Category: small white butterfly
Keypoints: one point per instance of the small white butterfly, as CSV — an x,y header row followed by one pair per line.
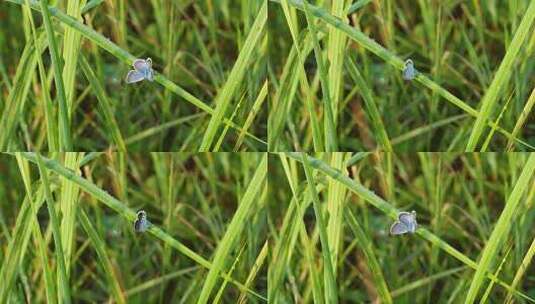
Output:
x,y
406,223
141,224
408,71
142,70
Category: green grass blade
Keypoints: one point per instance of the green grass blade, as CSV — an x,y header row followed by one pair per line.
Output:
x,y
12,108
366,246
71,48
48,106
331,291
372,110
104,104
522,269
236,75
18,245
235,228
291,19
501,77
36,231
500,229
522,119
100,248
63,117
56,232
336,47
329,124
68,202
254,271
336,198
259,101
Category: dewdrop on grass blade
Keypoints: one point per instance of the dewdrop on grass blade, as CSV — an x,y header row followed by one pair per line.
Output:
x,y
406,223
408,71
141,224
142,70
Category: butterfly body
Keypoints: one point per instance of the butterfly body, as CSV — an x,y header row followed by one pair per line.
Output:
x,y
408,71
142,70
141,224
406,223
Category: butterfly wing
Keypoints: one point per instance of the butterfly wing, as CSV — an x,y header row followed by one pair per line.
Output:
x,y
408,71
398,228
141,225
141,65
409,219
134,76
149,75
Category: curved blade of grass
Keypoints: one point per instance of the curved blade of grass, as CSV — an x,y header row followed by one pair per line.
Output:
x,y
331,291
128,58
393,60
63,117
104,104
389,210
367,248
522,269
151,283
17,95
329,123
71,48
336,47
100,248
236,75
56,233
235,228
219,295
36,231
501,77
254,271
259,101
292,226
500,229
424,281
372,110
68,202
18,245
522,119
127,213
309,247
291,19
336,197
48,106
151,131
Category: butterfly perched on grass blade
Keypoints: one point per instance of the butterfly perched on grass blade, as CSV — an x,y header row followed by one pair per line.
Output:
x,y
406,223
408,71
141,224
142,70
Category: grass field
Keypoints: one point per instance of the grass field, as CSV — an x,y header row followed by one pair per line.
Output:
x,y
277,148
67,228
208,94
331,213
335,72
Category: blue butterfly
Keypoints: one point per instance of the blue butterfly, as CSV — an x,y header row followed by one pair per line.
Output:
x,y
142,70
141,224
406,223
408,71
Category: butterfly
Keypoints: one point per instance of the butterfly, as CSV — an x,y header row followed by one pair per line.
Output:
x,y
406,223
408,71
141,224
142,70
